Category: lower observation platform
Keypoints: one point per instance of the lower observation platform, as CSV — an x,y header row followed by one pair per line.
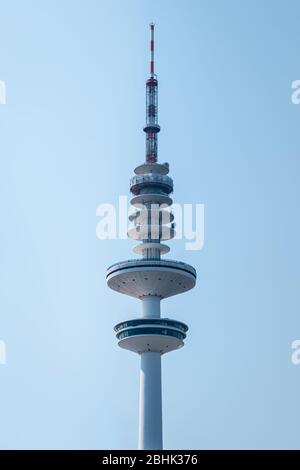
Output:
x,y
151,335
141,277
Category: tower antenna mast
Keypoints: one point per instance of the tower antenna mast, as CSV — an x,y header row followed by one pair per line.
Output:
x,y
152,127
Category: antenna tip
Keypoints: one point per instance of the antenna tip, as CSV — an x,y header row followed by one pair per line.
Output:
x,y
152,25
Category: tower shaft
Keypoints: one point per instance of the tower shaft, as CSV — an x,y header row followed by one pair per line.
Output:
x,y
150,409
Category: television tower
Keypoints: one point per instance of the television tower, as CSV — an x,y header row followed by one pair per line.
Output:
x,y
150,278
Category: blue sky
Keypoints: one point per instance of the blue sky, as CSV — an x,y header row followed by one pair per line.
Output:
x,y
71,134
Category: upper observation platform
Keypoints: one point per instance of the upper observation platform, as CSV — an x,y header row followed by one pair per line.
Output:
x,y
152,168
151,182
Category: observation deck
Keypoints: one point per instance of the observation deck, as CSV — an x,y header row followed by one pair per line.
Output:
x,y
142,277
161,182
160,335
155,168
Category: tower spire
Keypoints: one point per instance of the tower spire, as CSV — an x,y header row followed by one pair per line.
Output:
x,y
152,127
152,50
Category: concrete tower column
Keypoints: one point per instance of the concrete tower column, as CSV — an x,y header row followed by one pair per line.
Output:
x,y
151,306
150,415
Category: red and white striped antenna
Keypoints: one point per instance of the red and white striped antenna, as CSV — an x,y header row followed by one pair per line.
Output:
x,y
152,127
152,50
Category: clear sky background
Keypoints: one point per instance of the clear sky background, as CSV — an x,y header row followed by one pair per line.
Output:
x,y
70,136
